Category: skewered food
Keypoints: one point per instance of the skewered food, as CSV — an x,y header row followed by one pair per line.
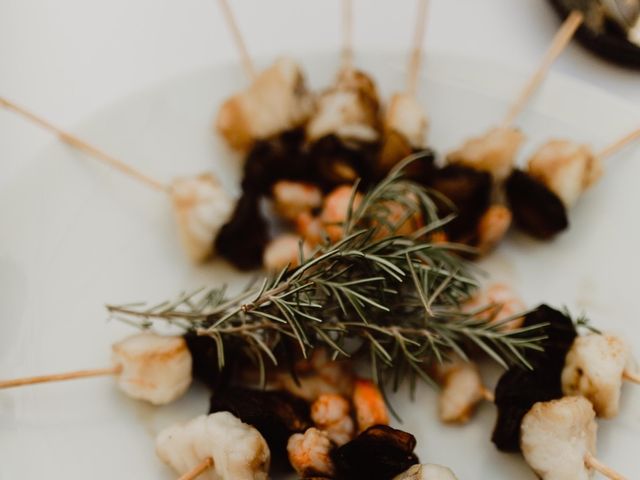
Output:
x,y
237,451
406,116
204,360
309,454
518,389
536,209
493,152
611,28
344,132
594,368
331,413
462,390
468,192
276,101
427,471
202,207
378,453
275,414
557,175
369,405
405,130
566,168
243,239
348,110
557,436
154,368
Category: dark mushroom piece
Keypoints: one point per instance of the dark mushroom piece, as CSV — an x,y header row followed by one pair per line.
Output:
x,y
611,28
378,453
469,190
275,414
243,238
535,208
518,389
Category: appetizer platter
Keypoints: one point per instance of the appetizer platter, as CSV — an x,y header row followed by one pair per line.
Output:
x,y
402,326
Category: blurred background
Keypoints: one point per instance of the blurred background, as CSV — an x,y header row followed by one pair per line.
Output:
x,y
67,58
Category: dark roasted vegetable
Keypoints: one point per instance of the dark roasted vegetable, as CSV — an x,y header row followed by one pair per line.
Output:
x,y
275,414
279,158
337,162
242,240
204,356
518,389
600,33
378,453
470,191
536,209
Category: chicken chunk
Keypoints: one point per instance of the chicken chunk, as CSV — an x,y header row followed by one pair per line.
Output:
x,y
462,389
293,198
348,110
237,450
154,368
309,453
276,101
331,413
493,152
369,405
566,168
557,437
406,116
594,367
427,471
202,207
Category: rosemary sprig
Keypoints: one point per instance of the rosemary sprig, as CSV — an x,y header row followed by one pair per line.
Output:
x,y
395,299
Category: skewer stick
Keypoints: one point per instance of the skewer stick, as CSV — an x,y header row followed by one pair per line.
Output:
x,y
619,144
487,394
202,467
58,377
560,41
631,377
416,54
593,462
347,34
86,147
247,63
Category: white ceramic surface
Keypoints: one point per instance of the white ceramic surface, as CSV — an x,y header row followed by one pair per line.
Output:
x,y
74,235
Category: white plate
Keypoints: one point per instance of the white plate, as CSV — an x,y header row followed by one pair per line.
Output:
x,y
74,235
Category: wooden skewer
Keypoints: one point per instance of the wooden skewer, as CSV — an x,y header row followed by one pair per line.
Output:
x,y
631,377
202,467
80,144
58,377
619,144
560,41
247,63
416,54
347,34
592,462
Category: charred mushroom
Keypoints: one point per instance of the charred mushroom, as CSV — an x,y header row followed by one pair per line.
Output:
x,y
275,414
378,453
518,389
